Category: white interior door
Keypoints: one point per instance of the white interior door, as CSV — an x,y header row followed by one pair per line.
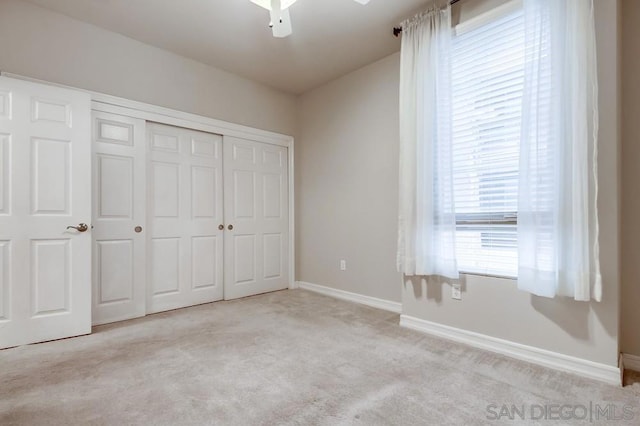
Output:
x,y
185,211
257,217
119,210
45,186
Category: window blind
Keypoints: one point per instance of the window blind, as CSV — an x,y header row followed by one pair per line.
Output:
x,y
487,84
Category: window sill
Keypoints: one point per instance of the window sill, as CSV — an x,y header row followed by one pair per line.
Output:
x,y
489,275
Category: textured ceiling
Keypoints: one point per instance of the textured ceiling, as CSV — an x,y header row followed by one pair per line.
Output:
x,y
330,37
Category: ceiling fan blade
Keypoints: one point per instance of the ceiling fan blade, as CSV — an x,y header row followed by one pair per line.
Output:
x,y
281,23
362,1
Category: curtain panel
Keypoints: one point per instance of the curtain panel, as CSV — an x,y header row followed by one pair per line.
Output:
x,y
558,250
427,223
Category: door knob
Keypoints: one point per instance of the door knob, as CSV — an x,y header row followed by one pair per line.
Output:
x,y
221,227
138,229
82,227
230,227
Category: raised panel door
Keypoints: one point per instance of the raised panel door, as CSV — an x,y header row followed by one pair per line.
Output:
x,y
45,187
256,208
119,218
185,212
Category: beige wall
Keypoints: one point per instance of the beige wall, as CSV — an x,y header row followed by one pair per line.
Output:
x,y
347,190
347,178
630,316
41,44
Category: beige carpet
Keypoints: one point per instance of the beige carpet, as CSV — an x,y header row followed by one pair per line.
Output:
x,y
291,357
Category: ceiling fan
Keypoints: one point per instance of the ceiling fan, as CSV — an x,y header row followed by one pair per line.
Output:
x,y
280,22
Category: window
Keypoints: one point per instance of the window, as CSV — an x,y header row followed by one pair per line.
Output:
x,y
487,80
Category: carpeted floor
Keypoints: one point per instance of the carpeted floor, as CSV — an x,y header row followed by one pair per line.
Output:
x,y
291,357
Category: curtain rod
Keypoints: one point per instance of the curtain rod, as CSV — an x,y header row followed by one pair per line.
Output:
x,y
398,30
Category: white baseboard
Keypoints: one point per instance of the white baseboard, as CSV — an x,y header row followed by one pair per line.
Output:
x,y
631,362
557,361
374,302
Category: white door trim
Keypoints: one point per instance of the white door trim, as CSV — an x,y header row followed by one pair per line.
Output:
x,y
141,110
177,118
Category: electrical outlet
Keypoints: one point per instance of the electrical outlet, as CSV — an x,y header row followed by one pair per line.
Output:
x,y
343,265
456,292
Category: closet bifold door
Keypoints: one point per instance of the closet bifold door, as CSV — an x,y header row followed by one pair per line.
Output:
x,y
256,204
119,212
185,218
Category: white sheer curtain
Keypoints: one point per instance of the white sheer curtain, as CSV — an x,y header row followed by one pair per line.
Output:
x,y
427,223
557,217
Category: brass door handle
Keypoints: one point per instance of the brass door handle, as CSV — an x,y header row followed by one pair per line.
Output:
x,y
230,227
82,227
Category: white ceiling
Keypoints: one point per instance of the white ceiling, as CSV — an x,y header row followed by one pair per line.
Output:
x,y
330,37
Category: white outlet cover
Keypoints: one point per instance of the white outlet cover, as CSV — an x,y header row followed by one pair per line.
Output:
x,y
456,292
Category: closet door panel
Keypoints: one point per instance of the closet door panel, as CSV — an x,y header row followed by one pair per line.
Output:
x,y
119,207
185,206
256,206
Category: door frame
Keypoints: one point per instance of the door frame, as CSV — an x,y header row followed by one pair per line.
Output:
x,y
121,106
